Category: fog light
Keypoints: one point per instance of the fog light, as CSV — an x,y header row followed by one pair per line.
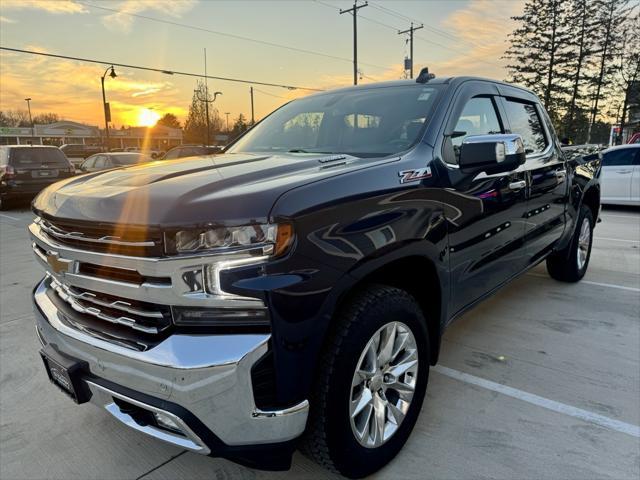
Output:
x,y
166,422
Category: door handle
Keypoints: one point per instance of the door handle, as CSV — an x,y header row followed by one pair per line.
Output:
x,y
624,171
517,185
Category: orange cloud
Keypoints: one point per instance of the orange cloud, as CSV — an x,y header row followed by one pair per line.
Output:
x,y
73,90
51,6
483,36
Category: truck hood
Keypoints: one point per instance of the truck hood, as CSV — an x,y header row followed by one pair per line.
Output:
x,y
228,188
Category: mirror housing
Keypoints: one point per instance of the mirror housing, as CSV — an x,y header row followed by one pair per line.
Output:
x,y
493,153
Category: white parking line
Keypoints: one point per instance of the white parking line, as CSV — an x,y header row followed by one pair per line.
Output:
x,y
587,416
617,239
589,282
9,216
605,215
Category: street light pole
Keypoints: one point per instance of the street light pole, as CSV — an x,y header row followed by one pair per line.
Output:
x,y
28,100
227,114
105,105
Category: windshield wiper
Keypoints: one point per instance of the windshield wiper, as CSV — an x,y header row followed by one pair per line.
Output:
x,y
301,150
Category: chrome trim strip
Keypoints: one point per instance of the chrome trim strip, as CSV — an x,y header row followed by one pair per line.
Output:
x,y
96,312
300,407
118,304
191,441
57,232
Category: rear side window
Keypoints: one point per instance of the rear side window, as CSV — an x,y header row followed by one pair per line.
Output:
x,y
620,157
35,157
525,121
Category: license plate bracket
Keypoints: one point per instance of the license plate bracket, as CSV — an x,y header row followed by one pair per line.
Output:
x,y
66,374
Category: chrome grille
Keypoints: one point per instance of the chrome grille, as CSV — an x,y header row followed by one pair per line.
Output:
x,y
112,238
141,317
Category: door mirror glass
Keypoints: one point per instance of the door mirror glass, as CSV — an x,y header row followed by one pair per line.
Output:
x,y
492,153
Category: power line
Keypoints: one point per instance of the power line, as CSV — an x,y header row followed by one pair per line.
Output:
x,y
405,18
160,70
270,94
226,34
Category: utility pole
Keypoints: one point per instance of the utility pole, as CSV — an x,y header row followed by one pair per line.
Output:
x,y
253,120
354,11
28,100
206,95
410,32
227,114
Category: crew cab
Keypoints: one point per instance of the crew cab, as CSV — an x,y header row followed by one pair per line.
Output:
x,y
292,291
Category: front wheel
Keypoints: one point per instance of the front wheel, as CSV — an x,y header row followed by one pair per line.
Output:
x,y
371,383
571,263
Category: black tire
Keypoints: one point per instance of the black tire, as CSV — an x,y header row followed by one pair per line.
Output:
x,y
565,265
329,439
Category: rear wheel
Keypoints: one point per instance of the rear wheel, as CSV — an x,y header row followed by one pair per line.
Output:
x,y
372,380
570,264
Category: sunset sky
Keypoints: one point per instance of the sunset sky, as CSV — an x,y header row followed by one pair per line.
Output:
x,y
459,37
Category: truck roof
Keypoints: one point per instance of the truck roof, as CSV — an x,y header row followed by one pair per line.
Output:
x,y
434,81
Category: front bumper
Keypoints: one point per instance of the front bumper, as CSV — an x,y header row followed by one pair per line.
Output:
x,y
203,380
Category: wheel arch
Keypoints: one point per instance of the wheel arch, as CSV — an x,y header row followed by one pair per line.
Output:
x,y
591,199
416,275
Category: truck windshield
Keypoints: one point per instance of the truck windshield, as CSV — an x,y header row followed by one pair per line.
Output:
x,y
370,122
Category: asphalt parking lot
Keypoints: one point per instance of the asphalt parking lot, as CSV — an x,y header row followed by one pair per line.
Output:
x,y
541,381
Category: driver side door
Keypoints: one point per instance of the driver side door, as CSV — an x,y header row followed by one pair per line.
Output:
x,y
485,212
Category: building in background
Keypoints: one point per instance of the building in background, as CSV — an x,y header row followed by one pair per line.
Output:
x,y
57,133
158,137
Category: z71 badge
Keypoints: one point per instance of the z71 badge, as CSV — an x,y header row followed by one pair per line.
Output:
x,y
414,175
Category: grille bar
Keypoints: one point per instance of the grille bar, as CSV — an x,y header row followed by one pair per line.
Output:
x,y
98,313
116,304
61,234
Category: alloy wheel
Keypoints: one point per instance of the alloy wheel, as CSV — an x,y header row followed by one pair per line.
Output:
x,y
383,384
584,241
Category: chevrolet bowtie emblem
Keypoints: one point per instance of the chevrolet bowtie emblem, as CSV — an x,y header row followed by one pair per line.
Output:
x,y
58,265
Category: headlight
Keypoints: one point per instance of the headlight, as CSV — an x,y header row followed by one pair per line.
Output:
x,y
273,239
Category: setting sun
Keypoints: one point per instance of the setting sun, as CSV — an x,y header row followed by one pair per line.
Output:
x,y
147,118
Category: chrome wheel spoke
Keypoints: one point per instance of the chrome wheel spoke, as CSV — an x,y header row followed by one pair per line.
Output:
x,y
361,402
383,384
397,415
388,338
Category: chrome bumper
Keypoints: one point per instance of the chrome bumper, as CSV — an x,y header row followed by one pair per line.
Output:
x,y
208,375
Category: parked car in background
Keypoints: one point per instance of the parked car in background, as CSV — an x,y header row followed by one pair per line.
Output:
x,y
104,161
77,152
26,169
621,175
153,153
191,151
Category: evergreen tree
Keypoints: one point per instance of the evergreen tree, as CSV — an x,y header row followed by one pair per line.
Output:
x,y
612,18
629,78
195,126
583,23
540,51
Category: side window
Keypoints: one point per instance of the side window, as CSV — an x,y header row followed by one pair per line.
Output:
x,y
525,121
622,157
89,162
478,117
172,154
101,162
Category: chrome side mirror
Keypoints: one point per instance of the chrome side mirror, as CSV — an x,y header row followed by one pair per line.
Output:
x,y
492,153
